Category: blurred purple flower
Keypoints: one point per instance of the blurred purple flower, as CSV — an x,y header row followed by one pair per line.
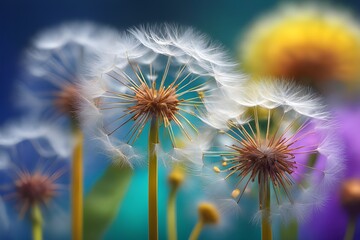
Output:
x,y
331,221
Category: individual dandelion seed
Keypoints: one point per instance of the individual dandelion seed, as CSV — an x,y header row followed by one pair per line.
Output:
x,y
51,86
310,43
31,178
288,155
158,82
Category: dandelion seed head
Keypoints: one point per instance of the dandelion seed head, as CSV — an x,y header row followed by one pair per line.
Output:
x,y
285,139
53,66
35,188
165,73
36,182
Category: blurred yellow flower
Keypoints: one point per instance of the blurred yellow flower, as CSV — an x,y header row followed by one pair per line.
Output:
x,y
305,43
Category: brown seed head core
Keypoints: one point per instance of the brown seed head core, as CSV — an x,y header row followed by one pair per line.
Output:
x,y
66,100
36,188
350,196
265,159
160,103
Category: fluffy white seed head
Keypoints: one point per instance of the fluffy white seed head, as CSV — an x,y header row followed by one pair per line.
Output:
x,y
53,65
283,135
165,72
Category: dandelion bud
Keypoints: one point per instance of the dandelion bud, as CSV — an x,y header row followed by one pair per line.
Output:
x,y
350,196
176,177
208,213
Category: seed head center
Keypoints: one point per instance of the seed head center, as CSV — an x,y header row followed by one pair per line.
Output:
x,y
67,99
35,188
261,160
162,103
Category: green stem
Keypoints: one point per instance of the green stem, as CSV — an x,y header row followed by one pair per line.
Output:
x,y
171,212
266,232
36,220
350,230
153,179
197,230
77,186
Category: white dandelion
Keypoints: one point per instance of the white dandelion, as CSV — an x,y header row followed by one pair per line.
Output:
x,y
156,82
281,148
33,172
50,89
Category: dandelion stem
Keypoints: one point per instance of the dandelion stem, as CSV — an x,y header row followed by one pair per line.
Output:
x,y
266,232
36,220
77,186
153,179
171,214
350,229
197,230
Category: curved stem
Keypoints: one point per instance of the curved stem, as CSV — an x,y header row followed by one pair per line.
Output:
x,y
266,232
350,229
197,230
171,214
36,221
153,179
77,186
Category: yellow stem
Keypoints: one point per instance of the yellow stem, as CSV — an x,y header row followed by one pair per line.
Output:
x,y
36,220
77,186
153,179
197,230
171,213
350,229
266,232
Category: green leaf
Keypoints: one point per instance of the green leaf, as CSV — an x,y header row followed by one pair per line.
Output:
x,y
102,204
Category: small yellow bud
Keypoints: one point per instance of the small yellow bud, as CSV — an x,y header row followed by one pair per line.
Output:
x,y
235,193
176,177
208,213
216,169
224,164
